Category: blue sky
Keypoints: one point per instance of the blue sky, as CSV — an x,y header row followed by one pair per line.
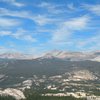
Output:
x,y
35,26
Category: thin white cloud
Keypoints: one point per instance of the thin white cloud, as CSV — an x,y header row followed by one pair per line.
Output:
x,y
5,33
38,19
51,8
19,34
3,49
9,49
93,8
66,28
22,14
41,20
77,23
71,6
14,2
7,22
92,42
23,35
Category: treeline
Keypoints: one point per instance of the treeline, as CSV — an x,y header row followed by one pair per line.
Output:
x,y
33,95
7,98
38,97
52,98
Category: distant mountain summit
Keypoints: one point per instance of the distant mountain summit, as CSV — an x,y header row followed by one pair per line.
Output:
x,y
72,56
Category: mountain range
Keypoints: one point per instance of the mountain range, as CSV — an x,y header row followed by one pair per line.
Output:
x,y
55,70
65,55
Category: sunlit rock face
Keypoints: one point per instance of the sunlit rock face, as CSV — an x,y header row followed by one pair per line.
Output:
x,y
17,94
82,75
